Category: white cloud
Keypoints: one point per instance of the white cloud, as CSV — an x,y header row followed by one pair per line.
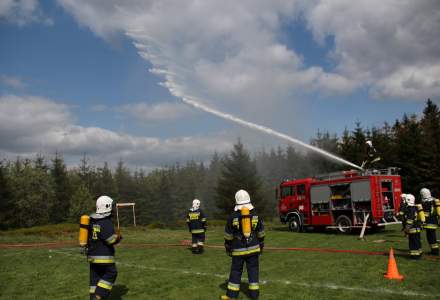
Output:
x,y
11,81
224,52
22,12
229,51
164,111
391,46
30,125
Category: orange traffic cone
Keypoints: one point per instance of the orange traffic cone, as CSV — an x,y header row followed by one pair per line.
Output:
x,y
393,273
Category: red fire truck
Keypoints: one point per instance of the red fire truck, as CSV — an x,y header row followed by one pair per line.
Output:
x,y
342,200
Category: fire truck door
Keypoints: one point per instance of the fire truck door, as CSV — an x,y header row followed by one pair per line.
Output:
x,y
303,206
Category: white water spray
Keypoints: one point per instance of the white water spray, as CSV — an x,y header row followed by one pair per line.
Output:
x,y
266,130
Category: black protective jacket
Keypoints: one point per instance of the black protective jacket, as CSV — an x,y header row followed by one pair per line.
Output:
x,y
196,221
236,243
430,210
412,217
102,238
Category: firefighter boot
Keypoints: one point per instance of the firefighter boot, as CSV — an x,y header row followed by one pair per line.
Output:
x,y
435,251
201,249
195,250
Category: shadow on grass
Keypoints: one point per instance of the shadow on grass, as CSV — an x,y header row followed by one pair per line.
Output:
x,y
244,288
117,292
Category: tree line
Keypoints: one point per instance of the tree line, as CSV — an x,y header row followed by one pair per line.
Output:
x,y
37,191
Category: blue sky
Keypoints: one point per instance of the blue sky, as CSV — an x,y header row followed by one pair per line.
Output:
x,y
106,78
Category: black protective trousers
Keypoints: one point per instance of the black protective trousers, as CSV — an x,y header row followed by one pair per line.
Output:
x,y
431,236
198,238
102,278
252,266
415,245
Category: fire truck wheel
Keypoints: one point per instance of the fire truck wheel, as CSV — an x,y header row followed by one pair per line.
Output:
x,y
295,223
344,224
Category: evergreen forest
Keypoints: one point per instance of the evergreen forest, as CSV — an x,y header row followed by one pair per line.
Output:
x,y
42,190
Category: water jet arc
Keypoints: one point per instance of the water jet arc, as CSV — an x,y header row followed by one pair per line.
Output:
x,y
196,104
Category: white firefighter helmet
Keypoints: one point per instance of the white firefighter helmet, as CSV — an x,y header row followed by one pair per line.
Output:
x,y
369,143
104,205
403,197
425,194
196,204
410,199
242,199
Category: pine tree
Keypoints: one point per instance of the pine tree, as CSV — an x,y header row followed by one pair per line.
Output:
x,y
239,172
430,154
384,141
326,142
82,203
7,206
408,148
105,183
208,189
33,193
60,177
296,164
353,147
124,183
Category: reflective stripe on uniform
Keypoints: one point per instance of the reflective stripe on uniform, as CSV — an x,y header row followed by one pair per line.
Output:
x,y
245,251
415,252
197,230
430,226
203,219
194,216
254,221
200,243
228,236
92,289
105,284
254,286
434,246
112,239
233,286
101,259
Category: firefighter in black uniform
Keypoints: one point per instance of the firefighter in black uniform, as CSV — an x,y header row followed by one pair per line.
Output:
x,y
414,219
372,155
244,245
401,215
431,208
196,221
101,251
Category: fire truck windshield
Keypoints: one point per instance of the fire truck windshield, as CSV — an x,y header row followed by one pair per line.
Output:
x,y
287,191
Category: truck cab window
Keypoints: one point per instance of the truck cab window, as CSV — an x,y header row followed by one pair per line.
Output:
x,y
301,189
286,191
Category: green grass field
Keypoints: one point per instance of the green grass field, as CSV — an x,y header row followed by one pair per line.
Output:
x,y
172,272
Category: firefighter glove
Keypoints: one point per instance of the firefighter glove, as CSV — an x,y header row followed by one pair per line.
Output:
x,y
118,234
228,249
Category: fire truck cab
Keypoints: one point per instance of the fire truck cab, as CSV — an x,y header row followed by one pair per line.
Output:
x,y
341,200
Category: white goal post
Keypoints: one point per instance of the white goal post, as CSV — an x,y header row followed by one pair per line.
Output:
x,y
124,205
